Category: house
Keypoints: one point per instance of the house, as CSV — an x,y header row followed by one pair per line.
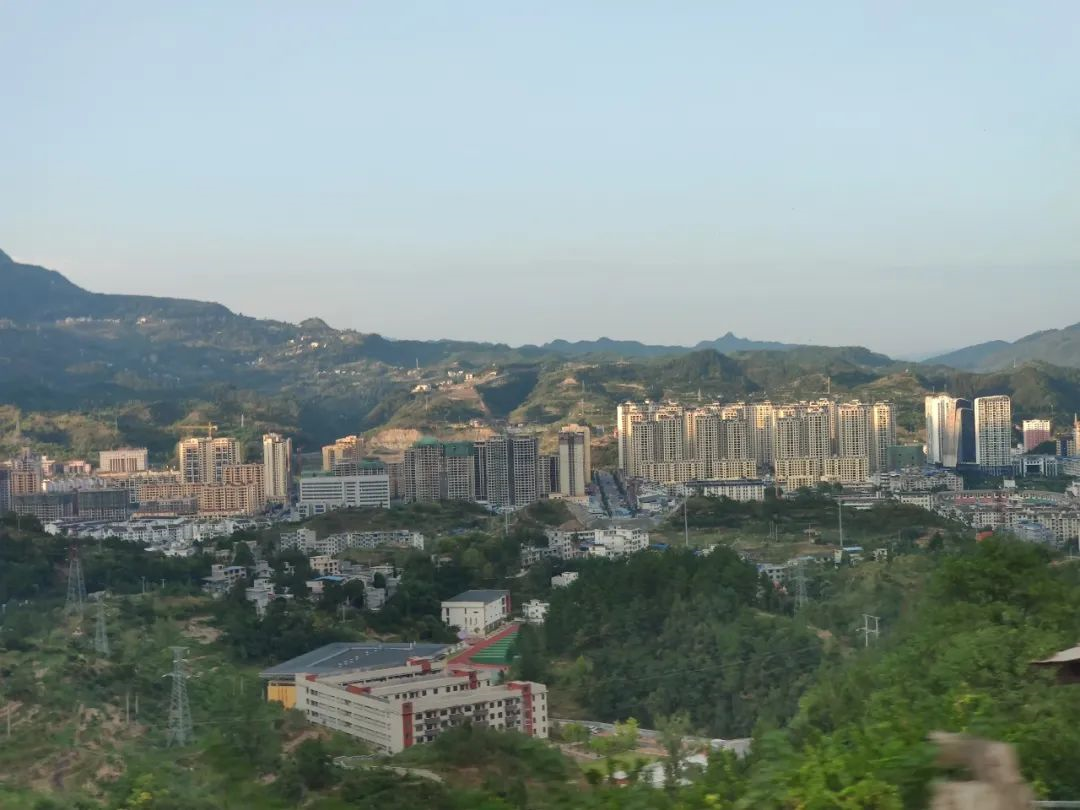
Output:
x,y
222,578
477,612
535,611
564,579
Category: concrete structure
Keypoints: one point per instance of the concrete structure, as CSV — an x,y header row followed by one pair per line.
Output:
x,y
564,579
307,540
203,459
277,467
347,448
739,489
510,465
321,493
123,460
535,611
1035,432
993,433
950,431
575,461
616,542
477,612
394,709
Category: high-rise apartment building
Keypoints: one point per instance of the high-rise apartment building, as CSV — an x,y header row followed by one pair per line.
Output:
x,y
575,461
993,433
123,460
203,458
345,449
435,471
882,435
277,467
511,463
950,431
1036,431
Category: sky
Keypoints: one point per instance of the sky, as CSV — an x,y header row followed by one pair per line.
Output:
x,y
904,176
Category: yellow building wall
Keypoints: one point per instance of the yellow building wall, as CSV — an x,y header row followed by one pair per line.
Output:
x,y
283,693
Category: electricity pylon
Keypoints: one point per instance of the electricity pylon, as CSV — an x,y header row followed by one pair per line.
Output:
x,y
76,590
180,728
801,599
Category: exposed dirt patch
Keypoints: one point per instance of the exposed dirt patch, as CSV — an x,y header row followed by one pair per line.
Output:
x,y
198,629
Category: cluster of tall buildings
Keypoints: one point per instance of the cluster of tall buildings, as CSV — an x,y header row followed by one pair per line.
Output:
x,y
211,479
802,442
963,432
507,471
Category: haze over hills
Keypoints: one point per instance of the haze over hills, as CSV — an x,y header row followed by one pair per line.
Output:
x,y
83,370
1058,346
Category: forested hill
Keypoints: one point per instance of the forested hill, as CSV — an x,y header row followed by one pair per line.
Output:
x,y
80,371
1058,346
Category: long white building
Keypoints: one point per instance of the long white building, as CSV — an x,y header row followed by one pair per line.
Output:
x,y
321,493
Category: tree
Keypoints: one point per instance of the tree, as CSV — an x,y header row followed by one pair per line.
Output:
x,y
673,729
313,764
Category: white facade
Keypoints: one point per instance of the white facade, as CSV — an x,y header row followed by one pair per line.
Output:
x,y
1036,431
324,493
395,709
740,489
615,543
564,579
477,612
993,432
277,466
535,611
124,460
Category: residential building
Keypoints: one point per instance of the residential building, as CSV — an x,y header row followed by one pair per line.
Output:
x,y
534,611
575,461
738,489
123,460
1035,432
993,433
477,612
616,542
510,470
203,459
564,580
321,493
253,475
347,448
277,467
950,431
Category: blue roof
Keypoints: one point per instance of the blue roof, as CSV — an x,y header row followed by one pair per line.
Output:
x,y
330,578
346,656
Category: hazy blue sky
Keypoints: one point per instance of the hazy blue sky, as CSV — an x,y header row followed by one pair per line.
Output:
x,y
902,175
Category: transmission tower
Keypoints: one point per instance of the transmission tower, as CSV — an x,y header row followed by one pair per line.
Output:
x,y
180,728
870,629
801,599
76,590
101,632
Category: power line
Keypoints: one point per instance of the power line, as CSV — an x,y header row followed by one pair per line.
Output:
x,y
180,728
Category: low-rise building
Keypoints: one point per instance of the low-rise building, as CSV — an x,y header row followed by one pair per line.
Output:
x,y
222,578
477,612
320,493
736,489
564,579
535,611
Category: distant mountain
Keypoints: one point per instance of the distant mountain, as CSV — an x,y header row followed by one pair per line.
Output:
x,y
34,294
136,367
1061,347
728,344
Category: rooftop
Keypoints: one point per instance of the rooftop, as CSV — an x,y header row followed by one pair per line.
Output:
x,y
478,596
346,655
